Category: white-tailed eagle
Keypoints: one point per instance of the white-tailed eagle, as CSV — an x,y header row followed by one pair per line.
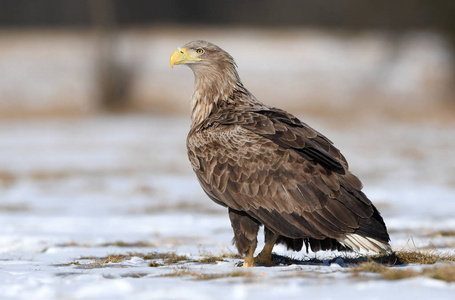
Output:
x,y
269,168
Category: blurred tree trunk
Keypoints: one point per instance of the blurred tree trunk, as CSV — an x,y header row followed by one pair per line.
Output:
x,y
114,77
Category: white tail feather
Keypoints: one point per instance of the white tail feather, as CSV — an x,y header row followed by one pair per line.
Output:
x,y
357,242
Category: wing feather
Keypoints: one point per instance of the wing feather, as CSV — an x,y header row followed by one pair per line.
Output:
x,y
283,173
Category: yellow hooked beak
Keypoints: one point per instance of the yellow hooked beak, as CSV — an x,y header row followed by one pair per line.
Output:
x,y
181,56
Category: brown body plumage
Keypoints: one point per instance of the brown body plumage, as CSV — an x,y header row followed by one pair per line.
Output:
x,y
271,169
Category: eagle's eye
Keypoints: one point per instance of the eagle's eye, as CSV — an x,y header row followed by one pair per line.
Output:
x,y
199,51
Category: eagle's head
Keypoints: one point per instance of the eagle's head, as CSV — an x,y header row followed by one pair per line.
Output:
x,y
202,56
217,82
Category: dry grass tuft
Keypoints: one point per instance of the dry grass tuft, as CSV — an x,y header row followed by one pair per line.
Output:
x,y
100,262
155,264
126,244
423,257
71,263
396,274
111,258
103,261
446,273
167,258
6,179
210,259
447,233
369,266
14,207
115,258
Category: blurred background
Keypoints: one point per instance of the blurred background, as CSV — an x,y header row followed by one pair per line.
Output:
x,y
90,56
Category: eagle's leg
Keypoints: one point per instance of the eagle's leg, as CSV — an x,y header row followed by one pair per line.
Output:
x,y
249,260
245,234
265,257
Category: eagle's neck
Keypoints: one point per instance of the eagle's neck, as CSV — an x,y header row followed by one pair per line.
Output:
x,y
214,89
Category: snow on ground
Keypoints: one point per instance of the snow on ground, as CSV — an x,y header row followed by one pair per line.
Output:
x,y
72,190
